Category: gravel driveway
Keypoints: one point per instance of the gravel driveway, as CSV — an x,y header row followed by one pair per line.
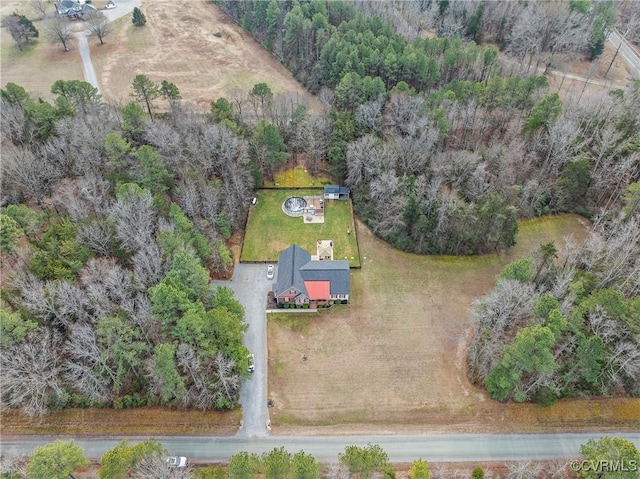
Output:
x,y
123,7
250,285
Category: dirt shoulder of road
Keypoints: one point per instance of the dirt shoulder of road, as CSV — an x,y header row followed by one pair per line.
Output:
x,y
122,422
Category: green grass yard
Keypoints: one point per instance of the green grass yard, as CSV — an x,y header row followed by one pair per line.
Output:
x,y
394,358
269,231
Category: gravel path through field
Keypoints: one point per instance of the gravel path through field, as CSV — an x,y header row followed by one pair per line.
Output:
x,y
85,54
123,7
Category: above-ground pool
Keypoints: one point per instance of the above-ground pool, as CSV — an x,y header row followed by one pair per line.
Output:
x,y
294,206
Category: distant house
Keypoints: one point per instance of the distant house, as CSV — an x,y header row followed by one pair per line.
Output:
x,y
302,280
334,192
73,8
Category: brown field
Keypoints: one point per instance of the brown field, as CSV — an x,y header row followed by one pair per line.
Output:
x,y
42,63
393,360
179,45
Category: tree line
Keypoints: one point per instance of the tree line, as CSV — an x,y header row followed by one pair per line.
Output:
x,y
114,221
565,327
146,460
443,145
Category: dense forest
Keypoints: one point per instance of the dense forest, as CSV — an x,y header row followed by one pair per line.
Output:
x,y
112,225
443,143
565,327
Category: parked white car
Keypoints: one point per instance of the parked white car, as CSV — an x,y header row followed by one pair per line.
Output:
x,y
110,5
252,365
270,270
177,461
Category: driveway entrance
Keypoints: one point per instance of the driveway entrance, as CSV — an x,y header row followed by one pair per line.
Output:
x,y
250,285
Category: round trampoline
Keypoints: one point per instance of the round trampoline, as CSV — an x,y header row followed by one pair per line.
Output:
x,y
294,206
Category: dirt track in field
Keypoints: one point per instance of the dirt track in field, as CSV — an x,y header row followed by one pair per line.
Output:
x,y
197,47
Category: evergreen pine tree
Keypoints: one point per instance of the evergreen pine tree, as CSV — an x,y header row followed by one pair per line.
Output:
x,y
138,17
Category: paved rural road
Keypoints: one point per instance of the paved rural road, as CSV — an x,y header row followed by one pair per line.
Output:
x,y
124,7
626,51
434,448
250,285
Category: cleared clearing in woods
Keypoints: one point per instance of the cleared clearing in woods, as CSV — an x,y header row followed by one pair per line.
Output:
x,y
394,359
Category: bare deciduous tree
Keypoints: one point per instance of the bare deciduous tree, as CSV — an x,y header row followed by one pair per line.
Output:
x,y
86,368
524,470
135,220
360,155
148,264
13,465
58,30
228,381
98,25
40,6
32,372
26,173
384,191
189,199
210,202
315,135
97,236
154,466
335,470
542,30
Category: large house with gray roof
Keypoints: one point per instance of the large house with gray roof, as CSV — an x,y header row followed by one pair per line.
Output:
x,y
303,280
73,8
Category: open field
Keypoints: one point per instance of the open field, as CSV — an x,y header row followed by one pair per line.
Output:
x,y
198,48
40,64
394,360
178,45
269,230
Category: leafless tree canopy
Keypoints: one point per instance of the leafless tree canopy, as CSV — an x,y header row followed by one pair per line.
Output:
x,y
58,30
41,7
98,25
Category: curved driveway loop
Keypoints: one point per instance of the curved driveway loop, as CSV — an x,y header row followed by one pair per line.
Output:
x,y
250,285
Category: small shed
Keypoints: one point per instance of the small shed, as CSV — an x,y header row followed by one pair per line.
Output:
x,y
335,192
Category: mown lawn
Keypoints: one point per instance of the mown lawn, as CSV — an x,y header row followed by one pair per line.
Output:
x,y
269,231
394,359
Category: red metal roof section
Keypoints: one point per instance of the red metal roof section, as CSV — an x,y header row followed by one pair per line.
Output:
x,y
318,289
